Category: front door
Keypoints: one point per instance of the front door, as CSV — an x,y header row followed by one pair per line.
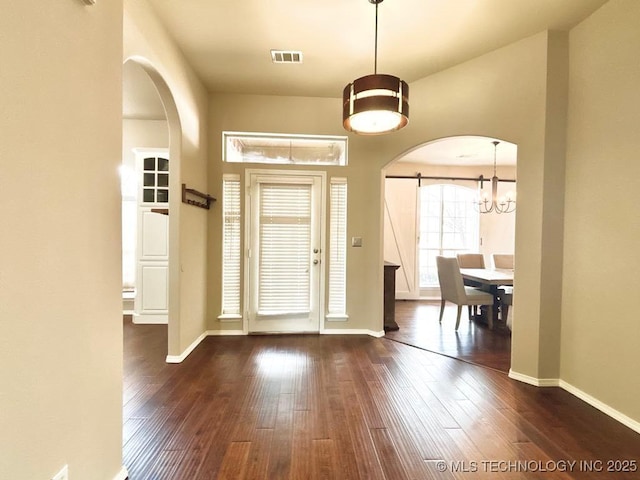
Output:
x,y
285,252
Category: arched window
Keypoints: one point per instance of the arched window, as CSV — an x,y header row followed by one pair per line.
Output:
x,y
449,224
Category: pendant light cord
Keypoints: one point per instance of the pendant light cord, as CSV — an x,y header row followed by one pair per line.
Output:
x,y
375,56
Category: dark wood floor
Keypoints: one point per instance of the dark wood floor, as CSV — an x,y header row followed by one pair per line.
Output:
x,y
349,407
473,342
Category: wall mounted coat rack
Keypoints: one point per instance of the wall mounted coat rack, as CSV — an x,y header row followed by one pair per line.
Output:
x,y
204,199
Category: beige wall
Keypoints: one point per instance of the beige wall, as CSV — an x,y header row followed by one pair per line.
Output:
x,y
60,280
142,134
600,331
147,43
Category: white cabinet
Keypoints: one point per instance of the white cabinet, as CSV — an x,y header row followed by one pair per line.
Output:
x,y
152,284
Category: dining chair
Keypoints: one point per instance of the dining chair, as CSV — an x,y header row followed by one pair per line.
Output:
x,y
502,260
452,289
471,260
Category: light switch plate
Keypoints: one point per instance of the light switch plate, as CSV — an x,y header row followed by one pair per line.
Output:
x,y
356,241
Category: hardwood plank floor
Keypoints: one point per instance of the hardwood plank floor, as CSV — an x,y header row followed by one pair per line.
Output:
x,y
349,407
473,342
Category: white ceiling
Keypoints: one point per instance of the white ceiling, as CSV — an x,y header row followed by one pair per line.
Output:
x,y
463,151
228,42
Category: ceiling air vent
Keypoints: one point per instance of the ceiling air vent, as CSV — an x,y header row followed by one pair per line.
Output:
x,y
286,56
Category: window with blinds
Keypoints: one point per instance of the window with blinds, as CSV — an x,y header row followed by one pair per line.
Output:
x,y
338,249
231,245
285,246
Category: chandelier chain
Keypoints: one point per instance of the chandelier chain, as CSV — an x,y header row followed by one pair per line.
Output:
x,y
495,148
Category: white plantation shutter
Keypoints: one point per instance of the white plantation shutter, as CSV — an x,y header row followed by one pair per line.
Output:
x,y
338,247
285,249
231,246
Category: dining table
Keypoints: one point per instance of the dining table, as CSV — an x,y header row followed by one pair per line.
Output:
x,y
489,280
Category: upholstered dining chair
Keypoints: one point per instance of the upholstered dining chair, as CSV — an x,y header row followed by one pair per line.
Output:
x,y
452,289
502,260
471,260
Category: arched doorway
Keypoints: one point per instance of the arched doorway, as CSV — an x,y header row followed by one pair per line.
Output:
x,y
151,131
429,210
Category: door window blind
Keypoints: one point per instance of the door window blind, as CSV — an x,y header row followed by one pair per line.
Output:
x,y
338,247
231,246
284,249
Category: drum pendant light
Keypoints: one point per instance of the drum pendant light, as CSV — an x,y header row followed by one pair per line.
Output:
x,y
375,104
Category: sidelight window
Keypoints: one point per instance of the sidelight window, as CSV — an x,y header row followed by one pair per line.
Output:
x,y
231,246
338,250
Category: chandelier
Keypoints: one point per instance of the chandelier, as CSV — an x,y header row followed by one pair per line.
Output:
x,y
503,204
377,103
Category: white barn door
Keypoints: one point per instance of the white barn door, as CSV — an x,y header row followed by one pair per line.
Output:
x,y
401,234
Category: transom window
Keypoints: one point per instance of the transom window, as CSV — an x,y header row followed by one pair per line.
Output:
x,y
272,148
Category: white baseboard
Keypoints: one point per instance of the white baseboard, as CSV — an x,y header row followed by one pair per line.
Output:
x,y
326,331
219,333
352,331
536,382
122,474
585,397
603,407
223,333
180,358
150,319
336,317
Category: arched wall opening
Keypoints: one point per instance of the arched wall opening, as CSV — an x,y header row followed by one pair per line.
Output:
x,y
415,231
173,143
